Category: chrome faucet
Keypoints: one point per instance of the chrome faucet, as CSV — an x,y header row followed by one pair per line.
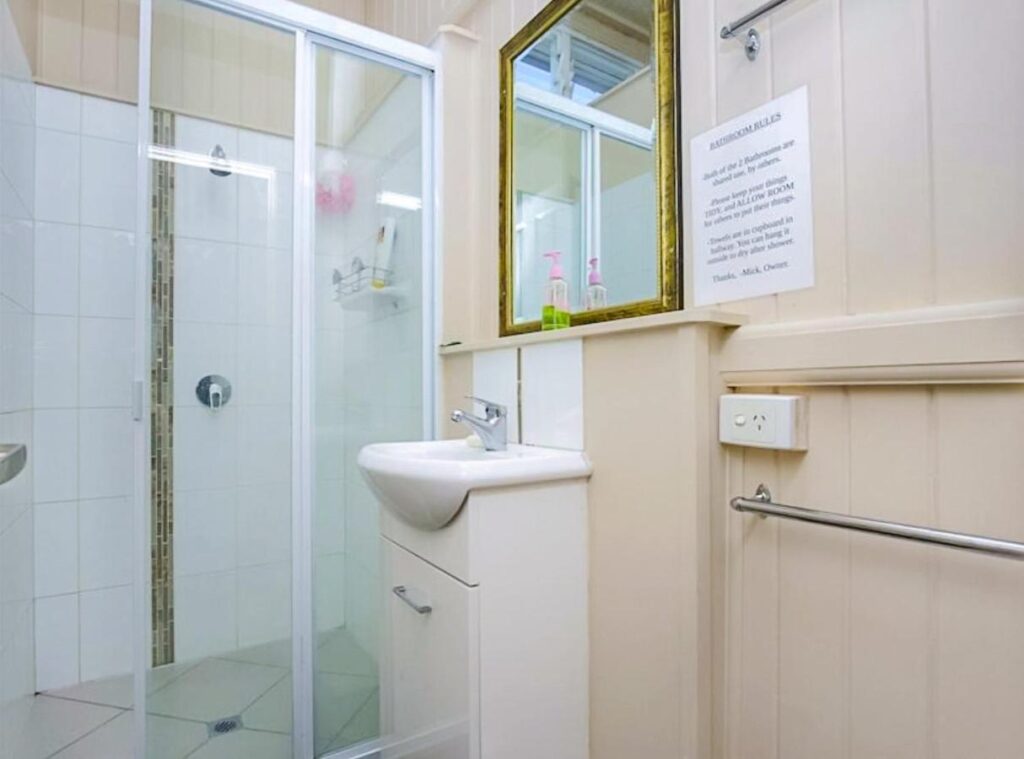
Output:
x,y
492,429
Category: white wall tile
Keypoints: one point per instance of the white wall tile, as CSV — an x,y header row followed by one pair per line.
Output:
x,y
265,211
264,444
329,608
552,394
105,453
266,150
201,349
106,632
56,642
56,548
58,109
108,119
264,365
107,272
204,531
205,447
205,281
18,161
105,365
329,516
264,524
16,348
56,268
55,459
108,183
55,364
57,176
16,550
16,261
264,286
205,615
206,205
104,543
264,604
496,378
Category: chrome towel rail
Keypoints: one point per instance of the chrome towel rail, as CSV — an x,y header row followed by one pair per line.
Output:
x,y
753,41
761,503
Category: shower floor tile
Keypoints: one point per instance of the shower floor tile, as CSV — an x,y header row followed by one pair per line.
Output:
x,y
166,739
118,691
92,720
246,744
338,699
213,689
54,723
339,653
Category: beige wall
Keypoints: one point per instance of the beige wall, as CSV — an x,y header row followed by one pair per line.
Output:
x,y
720,635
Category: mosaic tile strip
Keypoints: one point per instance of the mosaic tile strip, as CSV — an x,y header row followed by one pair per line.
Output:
x,y
162,390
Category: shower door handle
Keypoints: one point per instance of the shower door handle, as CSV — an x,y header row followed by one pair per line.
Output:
x,y
12,460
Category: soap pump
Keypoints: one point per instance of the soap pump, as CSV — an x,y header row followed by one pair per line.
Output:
x,y
555,314
597,293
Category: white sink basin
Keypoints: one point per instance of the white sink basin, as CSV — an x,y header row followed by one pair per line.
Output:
x,y
426,483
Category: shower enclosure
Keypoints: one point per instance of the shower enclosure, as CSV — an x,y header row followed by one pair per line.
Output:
x,y
278,218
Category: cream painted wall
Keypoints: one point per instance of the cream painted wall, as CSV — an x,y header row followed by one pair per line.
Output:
x,y
714,634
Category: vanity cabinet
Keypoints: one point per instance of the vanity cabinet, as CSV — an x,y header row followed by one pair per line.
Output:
x,y
485,628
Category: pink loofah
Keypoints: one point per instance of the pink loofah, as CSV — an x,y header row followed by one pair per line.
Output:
x,y
335,193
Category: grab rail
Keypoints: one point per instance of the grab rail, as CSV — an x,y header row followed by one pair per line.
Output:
x,y
761,503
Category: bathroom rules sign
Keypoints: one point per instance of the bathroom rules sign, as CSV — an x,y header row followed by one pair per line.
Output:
x,y
751,199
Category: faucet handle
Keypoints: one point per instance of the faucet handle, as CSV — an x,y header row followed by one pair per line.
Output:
x,y
492,409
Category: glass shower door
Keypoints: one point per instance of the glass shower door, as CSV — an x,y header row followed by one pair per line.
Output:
x,y
372,376
220,415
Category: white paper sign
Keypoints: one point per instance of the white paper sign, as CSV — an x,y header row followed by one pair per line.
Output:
x,y
751,199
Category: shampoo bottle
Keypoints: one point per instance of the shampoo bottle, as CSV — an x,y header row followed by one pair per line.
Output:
x,y
555,314
597,293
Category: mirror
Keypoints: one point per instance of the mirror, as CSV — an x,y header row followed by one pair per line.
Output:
x,y
588,177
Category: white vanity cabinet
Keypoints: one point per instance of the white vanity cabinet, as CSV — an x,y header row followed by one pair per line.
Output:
x,y
496,667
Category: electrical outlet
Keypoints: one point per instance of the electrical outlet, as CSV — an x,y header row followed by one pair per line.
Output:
x,y
763,421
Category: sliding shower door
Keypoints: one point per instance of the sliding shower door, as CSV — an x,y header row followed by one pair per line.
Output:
x,y
287,288
370,205
220,384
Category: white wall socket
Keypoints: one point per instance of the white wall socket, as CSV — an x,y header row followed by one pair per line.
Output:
x,y
763,421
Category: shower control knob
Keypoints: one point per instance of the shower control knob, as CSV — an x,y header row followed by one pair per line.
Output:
x,y
213,391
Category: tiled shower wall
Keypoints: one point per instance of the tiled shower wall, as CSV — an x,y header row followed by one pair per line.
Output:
x,y
17,198
84,285
232,467
232,316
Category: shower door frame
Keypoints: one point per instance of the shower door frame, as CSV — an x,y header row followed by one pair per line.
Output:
x,y
310,29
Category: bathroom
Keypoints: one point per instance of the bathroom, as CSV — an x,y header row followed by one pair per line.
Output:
x,y
313,325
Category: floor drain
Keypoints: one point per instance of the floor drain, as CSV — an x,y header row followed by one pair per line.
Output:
x,y
223,726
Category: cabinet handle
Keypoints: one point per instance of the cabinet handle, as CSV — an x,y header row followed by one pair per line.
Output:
x,y
402,593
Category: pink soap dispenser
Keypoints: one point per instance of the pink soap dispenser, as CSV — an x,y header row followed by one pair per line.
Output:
x,y
597,293
555,313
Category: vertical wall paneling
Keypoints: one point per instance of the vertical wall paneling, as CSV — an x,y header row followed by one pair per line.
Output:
x,y
100,20
887,140
813,579
977,120
805,41
890,586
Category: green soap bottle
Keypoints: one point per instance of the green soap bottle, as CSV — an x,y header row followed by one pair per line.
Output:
x,y
555,314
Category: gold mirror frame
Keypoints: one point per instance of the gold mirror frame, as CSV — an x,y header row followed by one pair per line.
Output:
x,y
666,63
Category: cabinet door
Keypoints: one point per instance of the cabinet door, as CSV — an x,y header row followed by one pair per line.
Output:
x,y
429,663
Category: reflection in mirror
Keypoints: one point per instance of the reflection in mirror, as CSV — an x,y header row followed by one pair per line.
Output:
x,y
583,162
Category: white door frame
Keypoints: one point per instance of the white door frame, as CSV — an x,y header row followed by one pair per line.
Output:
x,y
309,28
